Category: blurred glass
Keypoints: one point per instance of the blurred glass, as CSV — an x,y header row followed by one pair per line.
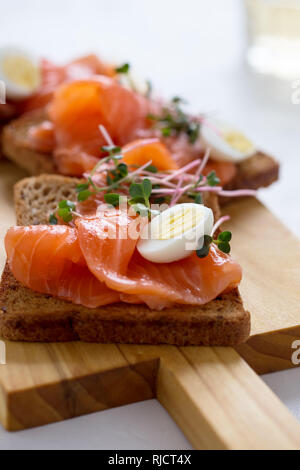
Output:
x,y
274,37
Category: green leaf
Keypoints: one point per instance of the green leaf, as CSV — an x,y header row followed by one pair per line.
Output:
x,y
84,195
151,169
193,132
198,199
166,131
136,190
82,187
112,198
225,236
136,200
67,205
212,179
65,214
111,149
141,209
53,220
207,240
147,188
122,169
224,246
123,68
203,252
109,180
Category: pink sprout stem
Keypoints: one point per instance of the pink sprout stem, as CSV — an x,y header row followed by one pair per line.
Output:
x,y
238,193
184,169
178,192
209,189
106,135
203,163
221,221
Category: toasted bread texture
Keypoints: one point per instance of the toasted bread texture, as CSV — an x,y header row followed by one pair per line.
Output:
x,y
29,316
261,170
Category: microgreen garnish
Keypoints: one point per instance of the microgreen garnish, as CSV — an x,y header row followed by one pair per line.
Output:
x,y
198,199
64,211
204,251
53,220
222,242
146,182
174,121
140,192
151,169
120,172
112,150
212,179
112,199
84,195
123,69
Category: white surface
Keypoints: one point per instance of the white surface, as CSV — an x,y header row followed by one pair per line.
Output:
x,y
194,49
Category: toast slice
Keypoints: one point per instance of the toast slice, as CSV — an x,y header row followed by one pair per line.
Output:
x,y
29,316
261,170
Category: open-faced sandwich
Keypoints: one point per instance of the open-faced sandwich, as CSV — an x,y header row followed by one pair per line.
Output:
x,y
132,253
57,131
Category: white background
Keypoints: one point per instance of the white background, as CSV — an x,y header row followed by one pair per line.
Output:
x,y
191,48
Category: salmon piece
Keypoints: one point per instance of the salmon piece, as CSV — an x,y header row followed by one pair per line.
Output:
x,y
80,265
77,110
54,75
192,281
41,137
141,151
48,259
225,171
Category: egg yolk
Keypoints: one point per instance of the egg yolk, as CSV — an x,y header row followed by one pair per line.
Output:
x,y
238,141
176,223
21,71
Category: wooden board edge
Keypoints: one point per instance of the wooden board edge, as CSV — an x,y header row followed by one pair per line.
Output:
x,y
78,396
273,351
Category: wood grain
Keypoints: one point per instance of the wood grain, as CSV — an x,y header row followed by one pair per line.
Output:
x,y
270,256
217,400
213,395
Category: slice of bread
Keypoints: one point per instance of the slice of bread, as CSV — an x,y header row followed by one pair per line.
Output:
x,y
28,316
261,170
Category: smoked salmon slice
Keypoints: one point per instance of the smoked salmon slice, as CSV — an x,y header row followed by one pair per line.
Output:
x,y
54,75
115,261
225,171
49,260
141,151
97,264
77,110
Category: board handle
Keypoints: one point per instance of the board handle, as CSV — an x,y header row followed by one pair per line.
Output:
x,y
220,403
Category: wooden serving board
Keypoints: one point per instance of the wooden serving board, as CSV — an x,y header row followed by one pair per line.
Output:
x,y
213,395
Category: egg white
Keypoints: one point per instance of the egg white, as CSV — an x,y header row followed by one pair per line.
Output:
x,y
184,243
14,89
212,137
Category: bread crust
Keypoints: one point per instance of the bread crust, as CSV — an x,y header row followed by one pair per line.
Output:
x,y
28,316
